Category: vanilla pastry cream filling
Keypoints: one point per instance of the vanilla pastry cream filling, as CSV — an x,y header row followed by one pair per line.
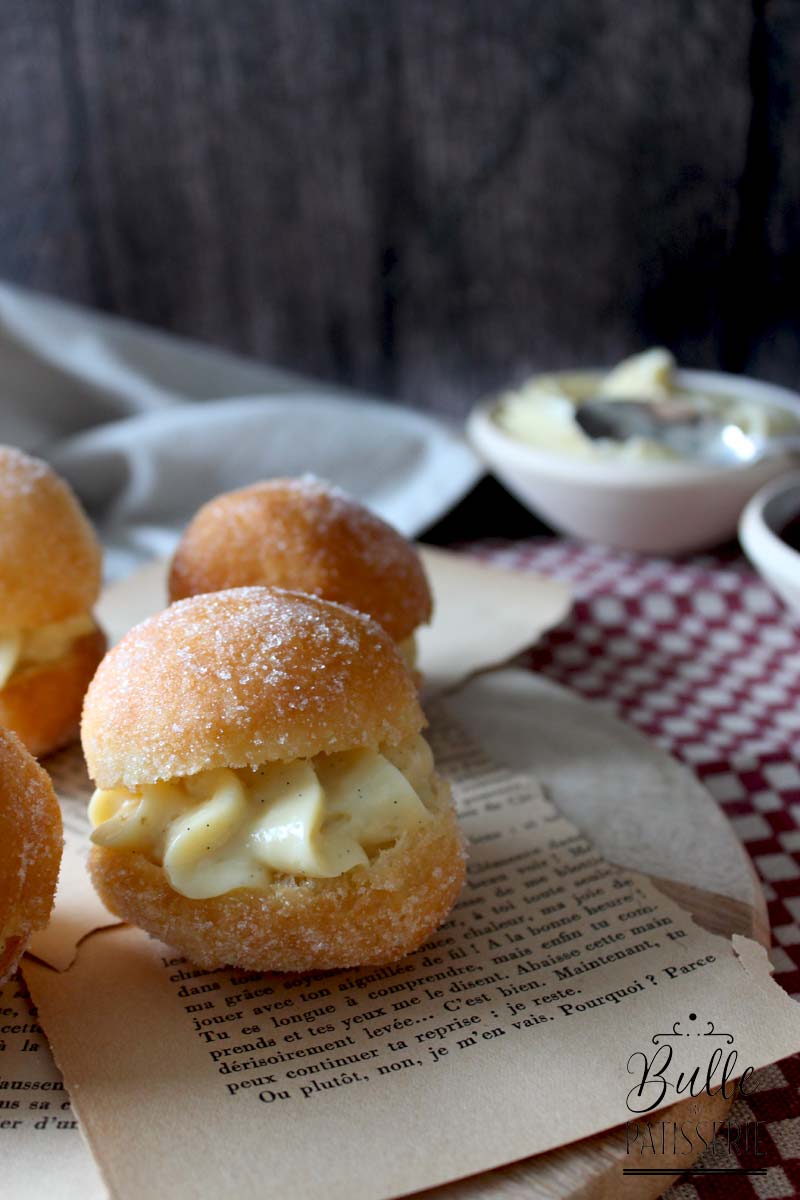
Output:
x,y
315,818
23,648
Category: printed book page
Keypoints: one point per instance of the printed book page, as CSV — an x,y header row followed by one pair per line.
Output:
x,y
526,1022
41,1150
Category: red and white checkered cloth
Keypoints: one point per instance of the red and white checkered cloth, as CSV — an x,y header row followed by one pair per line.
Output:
x,y
704,658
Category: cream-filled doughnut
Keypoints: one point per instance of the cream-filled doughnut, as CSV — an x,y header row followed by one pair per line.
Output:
x,y
30,849
264,796
50,573
309,537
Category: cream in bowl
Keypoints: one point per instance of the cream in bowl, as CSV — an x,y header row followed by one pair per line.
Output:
x,y
638,494
542,412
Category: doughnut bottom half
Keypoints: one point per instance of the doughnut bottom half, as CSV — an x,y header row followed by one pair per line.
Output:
x,y
371,915
43,703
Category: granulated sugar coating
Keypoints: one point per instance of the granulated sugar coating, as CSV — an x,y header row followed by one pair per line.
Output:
x,y
50,559
30,849
307,536
239,678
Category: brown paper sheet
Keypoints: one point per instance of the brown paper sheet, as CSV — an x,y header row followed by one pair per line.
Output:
x,y
509,1034
41,1150
483,615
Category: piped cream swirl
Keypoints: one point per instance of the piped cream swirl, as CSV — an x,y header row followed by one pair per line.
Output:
x,y
312,818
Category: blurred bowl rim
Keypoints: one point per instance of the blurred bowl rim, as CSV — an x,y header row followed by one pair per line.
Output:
x,y
759,539
484,433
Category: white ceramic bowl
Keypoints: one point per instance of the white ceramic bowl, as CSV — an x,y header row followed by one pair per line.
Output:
x,y
656,507
763,518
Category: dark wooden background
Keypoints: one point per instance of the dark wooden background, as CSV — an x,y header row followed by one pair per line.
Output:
x,y
420,197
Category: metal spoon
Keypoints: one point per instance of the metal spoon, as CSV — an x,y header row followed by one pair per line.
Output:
x,y
679,426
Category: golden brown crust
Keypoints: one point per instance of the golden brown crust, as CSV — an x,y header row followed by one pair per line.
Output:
x,y
239,678
50,558
371,915
309,537
42,703
30,849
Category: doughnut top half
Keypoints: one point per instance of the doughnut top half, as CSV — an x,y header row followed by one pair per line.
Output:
x,y
242,677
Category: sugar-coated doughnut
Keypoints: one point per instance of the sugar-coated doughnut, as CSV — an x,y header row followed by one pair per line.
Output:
x,y
30,849
50,574
309,537
265,799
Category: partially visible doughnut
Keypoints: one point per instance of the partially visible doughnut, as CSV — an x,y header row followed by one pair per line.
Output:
x,y
50,575
306,536
30,849
50,558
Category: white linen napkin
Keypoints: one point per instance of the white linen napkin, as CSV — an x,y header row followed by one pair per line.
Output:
x,y
112,406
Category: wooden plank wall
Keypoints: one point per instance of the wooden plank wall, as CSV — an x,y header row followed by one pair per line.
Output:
x,y
421,197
